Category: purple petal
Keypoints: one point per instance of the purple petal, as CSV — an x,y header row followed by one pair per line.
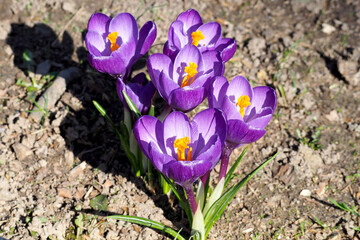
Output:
x,y
159,158
260,122
238,87
108,64
191,20
126,27
237,130
176,35
149,129
96,44
211,151
127,53
169,50
217,92
211,32
186,172
99,23
210,122
165,86
176,126
230,109
252,135
227,48
263,97
158,63
187,98
147,37
188,54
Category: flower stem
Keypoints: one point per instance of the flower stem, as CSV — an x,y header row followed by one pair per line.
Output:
x,y
191,197
225,155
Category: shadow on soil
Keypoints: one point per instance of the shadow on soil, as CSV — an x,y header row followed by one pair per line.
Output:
x,y
85,131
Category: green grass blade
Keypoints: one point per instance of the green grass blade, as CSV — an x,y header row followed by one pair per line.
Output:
x,y
216,210
234,166
131,105
148,223
183,204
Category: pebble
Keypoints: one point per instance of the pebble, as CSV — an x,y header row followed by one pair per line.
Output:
x,y
64,192
22,152
305,193
69,7
327,28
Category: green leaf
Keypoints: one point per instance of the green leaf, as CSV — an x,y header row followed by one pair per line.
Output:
x,y
234,166
131,105
99,203
216,210
152,111
148,223
183,204
99,108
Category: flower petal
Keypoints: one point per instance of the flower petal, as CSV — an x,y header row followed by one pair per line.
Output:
x,y
260,121
217,91
237,130
149,129
126,27
177,37
99,23
238,87
159,158
210,122
176,126
252,135
263,97
187,98
227,48
188,54
156,64
166,86
191,20
230,109
96,45
186,172
211,152
211,32
109,64
147,37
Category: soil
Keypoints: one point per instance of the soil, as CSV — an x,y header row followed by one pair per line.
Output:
x,y
51,169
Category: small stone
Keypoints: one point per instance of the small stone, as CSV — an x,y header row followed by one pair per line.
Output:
x,y
64,192
248,230
69,7
77,171
22,152
332,116
108,183
80,192
327,28
321,189
305,193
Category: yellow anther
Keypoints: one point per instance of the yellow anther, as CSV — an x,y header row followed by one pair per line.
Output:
x,y
112,38
196,37
191,71
182,144
243,102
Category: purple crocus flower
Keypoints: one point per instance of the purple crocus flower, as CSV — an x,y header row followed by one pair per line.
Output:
x,y
180,149
183,82
188,28
114,45
140,91
248,110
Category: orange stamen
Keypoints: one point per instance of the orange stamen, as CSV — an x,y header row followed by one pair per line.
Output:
x,y
196,37
112,38
182,144
191,71
243,102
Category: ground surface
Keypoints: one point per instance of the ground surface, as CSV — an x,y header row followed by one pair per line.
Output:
x,y
308,50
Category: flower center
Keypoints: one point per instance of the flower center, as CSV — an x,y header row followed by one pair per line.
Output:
x,y
196,37
191,71
182,144
112,38
243,102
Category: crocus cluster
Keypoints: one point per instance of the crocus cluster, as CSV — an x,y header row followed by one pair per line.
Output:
x,y
189,70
